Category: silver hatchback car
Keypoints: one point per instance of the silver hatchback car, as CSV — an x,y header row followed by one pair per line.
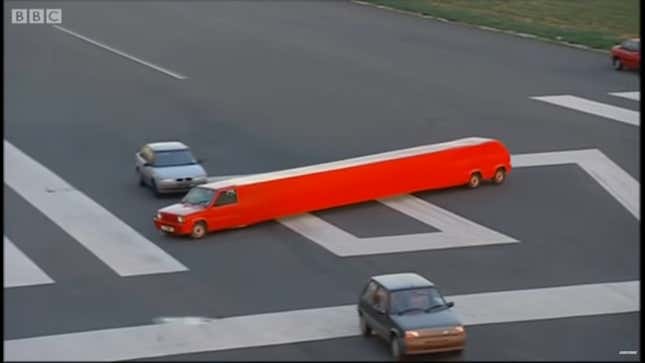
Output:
x,y
168,167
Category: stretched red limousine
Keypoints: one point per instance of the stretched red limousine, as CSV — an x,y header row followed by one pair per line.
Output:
x,y
245,200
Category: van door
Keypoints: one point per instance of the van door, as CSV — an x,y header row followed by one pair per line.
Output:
x,y
225,213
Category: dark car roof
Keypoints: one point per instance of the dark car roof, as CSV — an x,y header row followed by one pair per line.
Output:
x,y
402,281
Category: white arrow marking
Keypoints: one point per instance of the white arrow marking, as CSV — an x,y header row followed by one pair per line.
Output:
x,y
608,174
456,231
313,324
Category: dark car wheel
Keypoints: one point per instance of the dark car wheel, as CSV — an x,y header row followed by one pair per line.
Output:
x,y
199,230
618,65
142,183
500,176
396,347
365,328
474,180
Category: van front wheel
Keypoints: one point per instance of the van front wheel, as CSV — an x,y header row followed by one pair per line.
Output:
x,y
199,230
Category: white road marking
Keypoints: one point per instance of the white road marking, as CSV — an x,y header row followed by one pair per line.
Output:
x,y
595,108
123,54
314,324
20,270
608,174
455,232
119,246
631,95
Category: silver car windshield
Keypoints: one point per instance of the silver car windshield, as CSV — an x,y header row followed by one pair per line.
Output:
x,y
199,196
174,158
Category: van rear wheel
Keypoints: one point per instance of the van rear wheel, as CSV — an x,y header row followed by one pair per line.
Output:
x,y
500,176
199,230
474,180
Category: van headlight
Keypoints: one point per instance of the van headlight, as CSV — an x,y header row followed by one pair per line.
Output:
x,y
180,219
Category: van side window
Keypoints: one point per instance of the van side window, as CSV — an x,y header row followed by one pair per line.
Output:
x,y
226,197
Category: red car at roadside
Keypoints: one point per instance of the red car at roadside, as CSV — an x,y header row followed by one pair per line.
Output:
x,y
627,55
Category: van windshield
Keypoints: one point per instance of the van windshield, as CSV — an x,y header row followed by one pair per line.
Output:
x,y
199,196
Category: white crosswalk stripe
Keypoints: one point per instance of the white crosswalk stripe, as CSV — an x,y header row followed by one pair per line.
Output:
x,y
592,107
636,96
295,326
19,270
117,244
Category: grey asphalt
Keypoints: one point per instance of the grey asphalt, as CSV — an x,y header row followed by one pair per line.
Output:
x,y
273,85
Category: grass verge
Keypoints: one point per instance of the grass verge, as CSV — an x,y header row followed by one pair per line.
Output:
x,y
598,24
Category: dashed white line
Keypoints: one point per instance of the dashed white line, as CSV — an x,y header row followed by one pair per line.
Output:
x,y
20,270
117,244
121,53
177,337
630,95
592,107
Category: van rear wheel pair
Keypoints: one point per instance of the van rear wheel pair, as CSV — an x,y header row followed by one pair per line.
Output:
x,y
498,178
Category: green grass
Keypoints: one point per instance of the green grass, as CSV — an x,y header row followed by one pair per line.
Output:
x,y
598,24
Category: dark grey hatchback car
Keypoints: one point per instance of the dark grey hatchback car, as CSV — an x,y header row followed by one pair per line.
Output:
x,y
411,314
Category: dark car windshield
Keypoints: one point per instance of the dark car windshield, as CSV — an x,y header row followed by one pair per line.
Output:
x,y
416,300
174,158
199,196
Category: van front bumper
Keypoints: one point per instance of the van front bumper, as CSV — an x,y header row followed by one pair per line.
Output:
x,y
172,228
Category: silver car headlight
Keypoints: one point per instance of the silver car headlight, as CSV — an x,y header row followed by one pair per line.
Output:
x,y
167,180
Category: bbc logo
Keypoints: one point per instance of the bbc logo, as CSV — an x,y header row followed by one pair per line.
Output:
x,y
36,16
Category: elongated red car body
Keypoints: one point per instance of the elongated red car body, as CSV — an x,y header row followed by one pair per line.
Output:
x,y
255,198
